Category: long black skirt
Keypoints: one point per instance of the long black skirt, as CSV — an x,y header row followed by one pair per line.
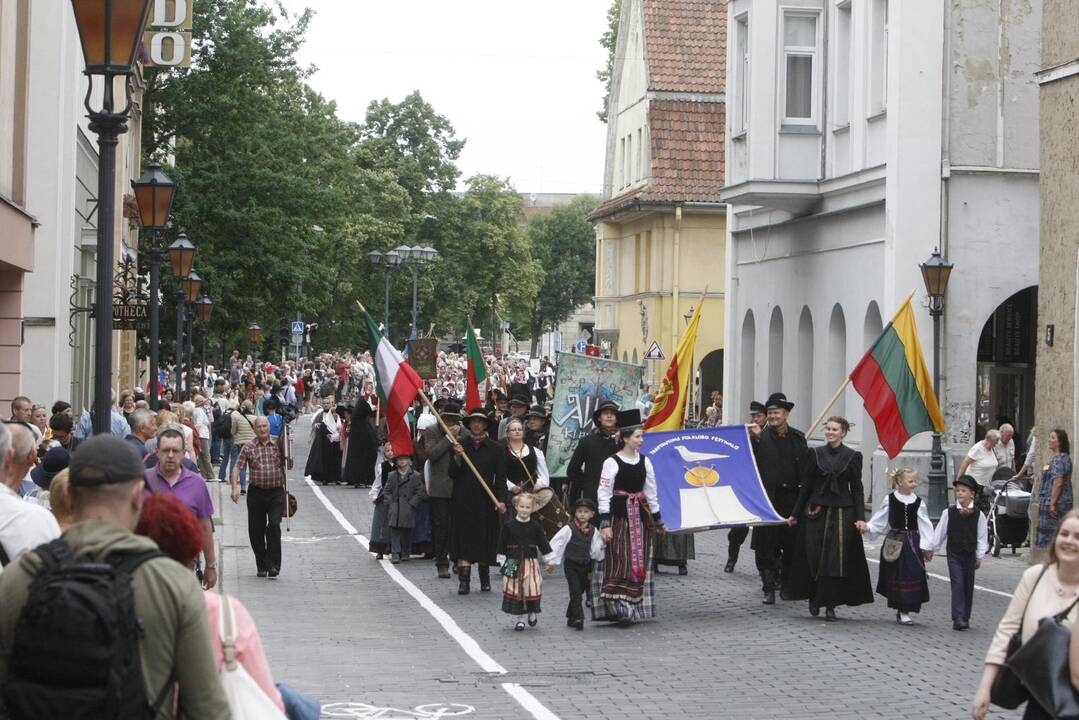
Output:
x,y
903,581
828,564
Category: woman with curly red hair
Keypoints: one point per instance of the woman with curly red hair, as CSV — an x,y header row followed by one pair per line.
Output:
x,y
172,525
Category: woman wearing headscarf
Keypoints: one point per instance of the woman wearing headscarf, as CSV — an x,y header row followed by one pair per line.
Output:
x,y
324,460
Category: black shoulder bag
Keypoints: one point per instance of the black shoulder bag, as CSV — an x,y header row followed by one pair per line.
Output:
x,y
1007,690
1041,664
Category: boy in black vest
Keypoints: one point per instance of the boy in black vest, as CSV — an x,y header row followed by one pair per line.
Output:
x,y
579,543
965,530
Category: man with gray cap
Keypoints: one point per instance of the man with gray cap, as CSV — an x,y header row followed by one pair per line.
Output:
x,y
174,646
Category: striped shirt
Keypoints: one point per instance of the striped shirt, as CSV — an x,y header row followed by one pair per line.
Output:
x,y
265,463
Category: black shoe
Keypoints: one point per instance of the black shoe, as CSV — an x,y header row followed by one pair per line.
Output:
x,y
485,578
463,588
519,626
532,619
395,558
378,557
966,625
729,567
960,625
683,570
579,624
829,615
274,572
769,597
443,571
814,609
260,573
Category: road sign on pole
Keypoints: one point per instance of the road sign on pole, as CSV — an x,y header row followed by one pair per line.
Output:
x,y
297,327
581,346
654,352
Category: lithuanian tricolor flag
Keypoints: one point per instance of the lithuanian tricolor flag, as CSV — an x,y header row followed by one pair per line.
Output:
x,y
894,383
476,372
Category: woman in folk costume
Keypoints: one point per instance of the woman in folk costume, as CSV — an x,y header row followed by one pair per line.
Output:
x,y
324,459
829,566
629,521
361,450
526,466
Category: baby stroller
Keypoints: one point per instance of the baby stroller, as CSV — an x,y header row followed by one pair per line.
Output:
x,y
1009,521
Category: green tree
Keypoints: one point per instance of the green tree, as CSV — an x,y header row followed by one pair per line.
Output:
x,y
609,41
563,243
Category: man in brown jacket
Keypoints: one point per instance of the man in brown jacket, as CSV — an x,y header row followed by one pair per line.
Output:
x,y
106,480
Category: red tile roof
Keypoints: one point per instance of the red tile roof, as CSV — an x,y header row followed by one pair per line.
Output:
x,y
686,45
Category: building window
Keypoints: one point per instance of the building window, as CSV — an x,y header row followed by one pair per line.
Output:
x,y
878,57
799,64
621,174
640,155
741,74
842,63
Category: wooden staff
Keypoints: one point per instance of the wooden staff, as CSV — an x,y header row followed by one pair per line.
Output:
x,y
468,461
828,406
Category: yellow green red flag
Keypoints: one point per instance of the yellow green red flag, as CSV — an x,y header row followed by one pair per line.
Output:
x,y
669,406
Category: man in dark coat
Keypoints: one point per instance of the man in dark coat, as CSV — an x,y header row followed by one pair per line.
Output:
x,y
440,492
784,462
587,461
737,536
476,521
536,427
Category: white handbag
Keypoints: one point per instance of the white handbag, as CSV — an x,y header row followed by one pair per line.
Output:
x,y
246,699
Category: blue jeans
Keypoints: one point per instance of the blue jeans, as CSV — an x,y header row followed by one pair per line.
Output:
x,y
215,448
229,453
233,456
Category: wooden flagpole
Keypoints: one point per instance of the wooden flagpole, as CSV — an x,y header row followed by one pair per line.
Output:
x,y
828,407
468,461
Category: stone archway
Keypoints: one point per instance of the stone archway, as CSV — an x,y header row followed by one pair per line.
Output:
x,y
1006,367
711,374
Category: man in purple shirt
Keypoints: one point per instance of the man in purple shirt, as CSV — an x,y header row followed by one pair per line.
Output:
x,y
189,487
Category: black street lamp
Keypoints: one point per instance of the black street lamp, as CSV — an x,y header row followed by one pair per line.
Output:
x,y
109,32
416,259
190,285
254,335
203,307
388,262
935,272
154,193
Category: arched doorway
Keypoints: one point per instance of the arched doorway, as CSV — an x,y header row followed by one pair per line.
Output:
x,y
1006,352
803,389
837,356
711,374
775,352
747,372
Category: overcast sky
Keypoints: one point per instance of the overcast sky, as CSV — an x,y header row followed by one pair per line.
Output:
x,y
516,79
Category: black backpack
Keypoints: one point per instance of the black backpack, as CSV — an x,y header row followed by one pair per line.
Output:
x,y
223,425
75,652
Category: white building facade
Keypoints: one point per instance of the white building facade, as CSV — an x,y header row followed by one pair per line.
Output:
x,y
862,135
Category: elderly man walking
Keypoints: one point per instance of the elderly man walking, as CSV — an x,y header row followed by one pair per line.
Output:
x,y
264,457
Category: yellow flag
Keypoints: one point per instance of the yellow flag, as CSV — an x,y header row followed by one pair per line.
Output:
x,y
669,407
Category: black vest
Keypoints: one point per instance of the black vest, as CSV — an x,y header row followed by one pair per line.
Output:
x,y
630,479
962,531
515,471
902,516
579,547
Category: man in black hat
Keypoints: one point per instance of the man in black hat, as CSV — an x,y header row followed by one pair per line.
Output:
x,y
439,446
536,427
518,408
784,462
736,537
476,521
587,460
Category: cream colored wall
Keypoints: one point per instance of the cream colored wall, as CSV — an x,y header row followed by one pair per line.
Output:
x,y
702,262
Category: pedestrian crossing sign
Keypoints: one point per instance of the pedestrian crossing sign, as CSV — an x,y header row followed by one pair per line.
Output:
x,y
654,352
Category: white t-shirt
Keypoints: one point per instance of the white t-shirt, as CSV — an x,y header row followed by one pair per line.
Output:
x,y
23,524
983,463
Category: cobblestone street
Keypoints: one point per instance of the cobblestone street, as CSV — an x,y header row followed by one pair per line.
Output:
x,y
364,636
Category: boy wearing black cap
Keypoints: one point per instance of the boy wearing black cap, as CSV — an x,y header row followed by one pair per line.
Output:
x,y
966,532
579,543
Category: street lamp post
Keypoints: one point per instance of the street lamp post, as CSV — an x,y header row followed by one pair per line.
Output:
x,y
181,259
190,285
416,258
935,272
254,334
109,32
203,307
154,193
388,262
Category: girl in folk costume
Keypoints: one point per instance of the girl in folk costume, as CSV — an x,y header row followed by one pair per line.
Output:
x,y
380,529
520,547
629,518
402,494
908,545
579,543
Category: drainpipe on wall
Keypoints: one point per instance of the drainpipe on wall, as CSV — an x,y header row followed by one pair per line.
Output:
x,y
675,327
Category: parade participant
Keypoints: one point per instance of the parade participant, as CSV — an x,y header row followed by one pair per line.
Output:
x,y
577,545
265,458
361,448
518,407
324,458
737,536
829,566
402,495
439,483
964,528
379,542
520,546
536,427
784,462
526,466
475,523
583,470
908,545
629,519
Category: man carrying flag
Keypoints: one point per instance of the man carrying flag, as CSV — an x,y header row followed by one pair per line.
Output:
x,y
397,385
669,413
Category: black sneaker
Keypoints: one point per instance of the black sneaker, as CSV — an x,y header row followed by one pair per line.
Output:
x,y
260,573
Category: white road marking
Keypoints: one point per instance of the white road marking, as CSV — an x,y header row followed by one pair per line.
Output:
x,y
523,697
947,579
